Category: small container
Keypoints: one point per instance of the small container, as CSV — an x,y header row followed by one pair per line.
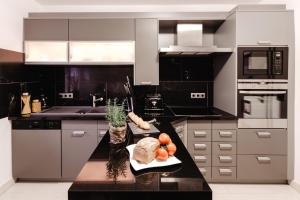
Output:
x,y
25,105
36,106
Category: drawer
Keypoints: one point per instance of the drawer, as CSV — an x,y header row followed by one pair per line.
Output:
x,y
206,172
199,124
223,148
261,168
101,134
199,148
224,124
202,160
199,135
79,124
103,124
224,160
224,135
262,141
223,173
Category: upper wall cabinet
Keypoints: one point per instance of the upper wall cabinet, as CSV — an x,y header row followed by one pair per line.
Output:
x,y
262,28
101,30
146,69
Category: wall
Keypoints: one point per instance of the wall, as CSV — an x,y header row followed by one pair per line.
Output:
x,y
11,15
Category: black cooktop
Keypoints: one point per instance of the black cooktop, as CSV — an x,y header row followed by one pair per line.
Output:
x,y
194,111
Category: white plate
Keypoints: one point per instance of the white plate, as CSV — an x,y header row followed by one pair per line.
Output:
x,y
172,160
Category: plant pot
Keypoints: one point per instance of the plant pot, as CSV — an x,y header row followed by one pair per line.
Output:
x,y
117,134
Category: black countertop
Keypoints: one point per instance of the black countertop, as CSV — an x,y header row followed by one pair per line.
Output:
x,y
96,181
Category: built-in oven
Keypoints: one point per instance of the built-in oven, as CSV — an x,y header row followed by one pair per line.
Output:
x,y
262,104
262,62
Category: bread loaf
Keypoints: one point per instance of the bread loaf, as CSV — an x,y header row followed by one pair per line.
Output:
x,y
145,150
139,121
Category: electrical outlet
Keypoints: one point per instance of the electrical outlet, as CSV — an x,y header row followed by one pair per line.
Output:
x,y
195,95
65,95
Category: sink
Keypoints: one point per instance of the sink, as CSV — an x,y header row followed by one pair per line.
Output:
x,y
73,111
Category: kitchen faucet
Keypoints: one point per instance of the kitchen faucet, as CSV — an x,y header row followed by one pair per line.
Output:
x,y
95,99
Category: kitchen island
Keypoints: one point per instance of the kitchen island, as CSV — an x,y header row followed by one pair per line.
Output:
x,y
108,174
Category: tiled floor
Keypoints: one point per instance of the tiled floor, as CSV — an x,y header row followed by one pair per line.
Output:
x,y
58,191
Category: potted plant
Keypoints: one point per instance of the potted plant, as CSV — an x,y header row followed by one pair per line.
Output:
x,y
117,121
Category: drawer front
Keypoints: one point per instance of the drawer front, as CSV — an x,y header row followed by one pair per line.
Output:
x,y
199,148
223,173
79,124
224,135
262,141
223,148
202,160
261,168
101,134
199,124
206,172
224,124
224,160
102,124
199,135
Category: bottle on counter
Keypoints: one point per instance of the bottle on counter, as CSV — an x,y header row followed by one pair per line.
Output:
x,y
25,104
36,106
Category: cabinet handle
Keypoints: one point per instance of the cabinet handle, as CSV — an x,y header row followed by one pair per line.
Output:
x,y
102,133
78,133
180,136
200,146
200,133
146,83
200,158
225,146
225,133
226,172
263,159
203,171
225,159
263,42
179,129
262,134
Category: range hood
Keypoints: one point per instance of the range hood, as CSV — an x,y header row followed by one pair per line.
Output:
x,y
193,50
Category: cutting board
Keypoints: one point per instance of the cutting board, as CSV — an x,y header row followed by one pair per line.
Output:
x,y
137,131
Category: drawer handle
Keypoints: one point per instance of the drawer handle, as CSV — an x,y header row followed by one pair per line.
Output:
x,y
179,129
263,159
225,172
78,133
263,42
200,158
262,134
102,133
203,171
146,83
225,159
225,134
200,133
200,146
180,136
225,146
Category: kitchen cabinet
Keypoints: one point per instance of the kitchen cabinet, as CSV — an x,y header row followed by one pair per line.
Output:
x,y
79,140
36,154
262,28
101,29
146,69
181,129
102,129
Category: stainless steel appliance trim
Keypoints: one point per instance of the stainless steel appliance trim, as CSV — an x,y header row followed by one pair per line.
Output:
x,y
262,123
261,92
263,80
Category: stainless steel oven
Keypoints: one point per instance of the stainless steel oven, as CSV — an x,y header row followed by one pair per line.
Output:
x,y
262,62
262,104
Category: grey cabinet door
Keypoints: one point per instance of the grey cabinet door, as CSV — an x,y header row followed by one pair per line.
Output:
x,y
77,147
46,29
36,154
146,71
101,29
262,28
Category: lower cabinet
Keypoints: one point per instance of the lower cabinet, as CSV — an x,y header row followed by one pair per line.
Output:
x,y
102,129
78,143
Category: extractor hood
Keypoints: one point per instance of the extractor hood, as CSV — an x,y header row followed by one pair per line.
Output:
x,y
193,50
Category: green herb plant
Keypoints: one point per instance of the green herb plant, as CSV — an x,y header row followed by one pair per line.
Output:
x,y
116,113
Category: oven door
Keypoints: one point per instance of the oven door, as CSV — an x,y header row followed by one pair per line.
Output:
x,y
262,108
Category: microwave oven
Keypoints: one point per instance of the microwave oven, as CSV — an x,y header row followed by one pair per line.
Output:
x,y
262,62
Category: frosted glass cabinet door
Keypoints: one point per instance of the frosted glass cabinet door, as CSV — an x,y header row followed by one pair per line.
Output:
x,y
104,52
46,52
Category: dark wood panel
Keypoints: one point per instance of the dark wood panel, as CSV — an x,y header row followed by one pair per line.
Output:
x,y
7,56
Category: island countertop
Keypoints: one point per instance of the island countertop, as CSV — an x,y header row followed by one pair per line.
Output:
x,y
108,174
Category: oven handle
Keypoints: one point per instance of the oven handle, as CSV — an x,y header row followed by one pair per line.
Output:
x,y
261,92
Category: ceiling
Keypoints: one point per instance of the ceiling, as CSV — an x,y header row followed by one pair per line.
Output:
x,y
142,2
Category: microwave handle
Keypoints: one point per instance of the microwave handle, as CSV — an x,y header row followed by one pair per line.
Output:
x,y
261,92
